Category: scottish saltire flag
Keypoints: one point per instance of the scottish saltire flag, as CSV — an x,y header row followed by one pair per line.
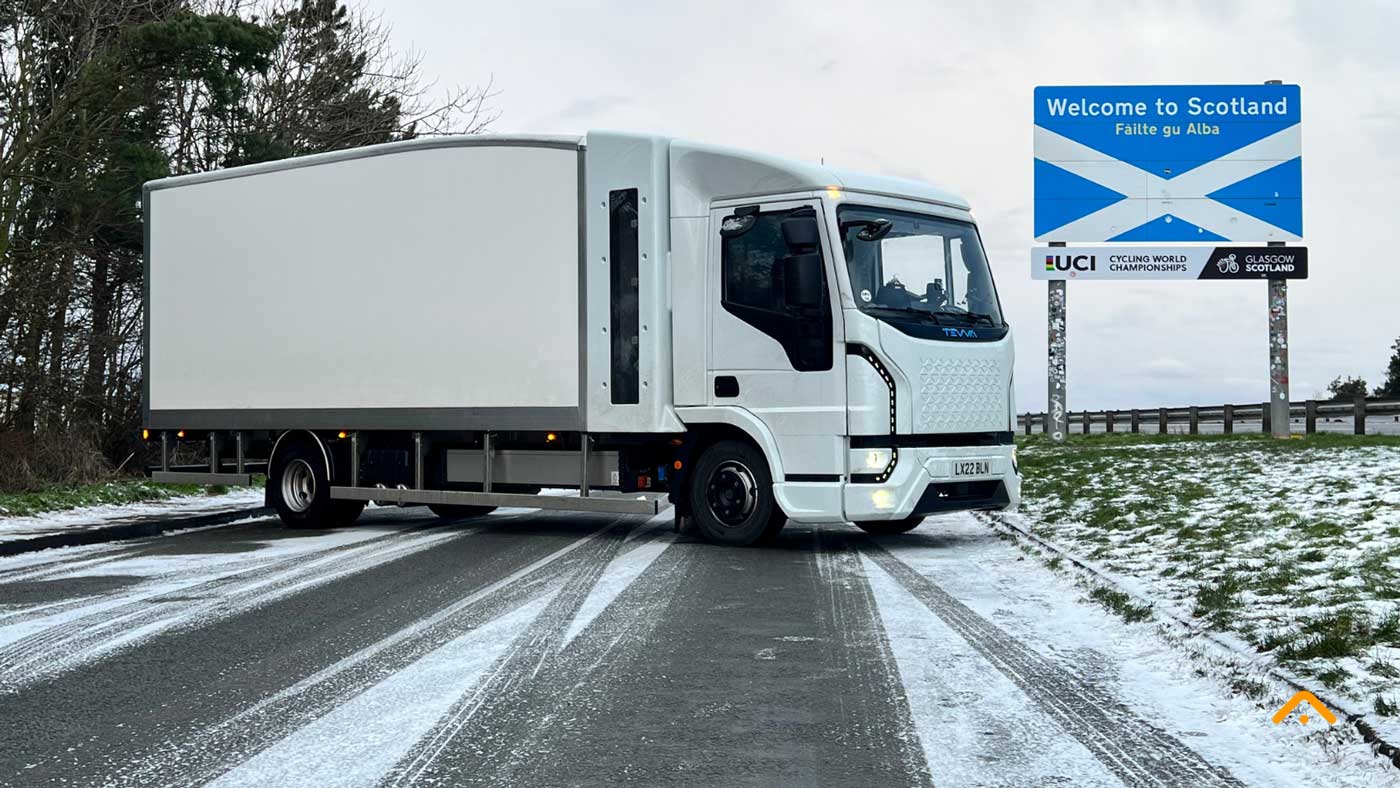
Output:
x,y
1168,163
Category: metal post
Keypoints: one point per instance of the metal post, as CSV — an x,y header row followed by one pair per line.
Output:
x,y
1055,370
1358,415
213,452
1267,417
417,460
584,441
1229,417
1161,421
1087,420
1278,355
165,451
1028,424
1310,420
239,460
488,462
355,459
1195,420
1108,421
1135,421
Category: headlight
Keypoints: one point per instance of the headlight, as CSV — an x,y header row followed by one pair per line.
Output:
x,y
870,460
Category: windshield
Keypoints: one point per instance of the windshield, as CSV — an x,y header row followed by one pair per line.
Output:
x,y
913,263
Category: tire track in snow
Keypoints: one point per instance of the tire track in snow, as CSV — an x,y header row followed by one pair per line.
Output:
x,y
853,618
221,749
1134,750
475,719
72,642
717,666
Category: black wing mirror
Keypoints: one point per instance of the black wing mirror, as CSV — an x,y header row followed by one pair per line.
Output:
x,y
870,229
739,222
802,280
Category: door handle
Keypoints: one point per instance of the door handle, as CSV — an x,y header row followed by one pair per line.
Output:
x,y
726,386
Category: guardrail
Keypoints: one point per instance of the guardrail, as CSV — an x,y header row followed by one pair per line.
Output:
x,y
1366,416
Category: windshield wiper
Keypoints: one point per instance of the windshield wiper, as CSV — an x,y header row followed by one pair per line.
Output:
x,y
908,310
973,317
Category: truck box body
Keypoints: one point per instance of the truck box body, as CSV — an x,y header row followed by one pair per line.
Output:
x,y
433,286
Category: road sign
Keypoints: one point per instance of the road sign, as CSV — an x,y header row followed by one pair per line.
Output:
x,y
1168,163
1169,262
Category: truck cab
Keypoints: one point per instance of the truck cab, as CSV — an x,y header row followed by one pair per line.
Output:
x,y
850,325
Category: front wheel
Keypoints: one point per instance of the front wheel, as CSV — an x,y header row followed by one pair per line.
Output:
x,y
891,527
731,494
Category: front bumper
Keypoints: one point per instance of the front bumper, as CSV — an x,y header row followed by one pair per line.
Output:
x,y
926,481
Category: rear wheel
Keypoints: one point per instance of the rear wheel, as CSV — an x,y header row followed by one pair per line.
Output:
x,y
889,527
300,487
731,495
457,512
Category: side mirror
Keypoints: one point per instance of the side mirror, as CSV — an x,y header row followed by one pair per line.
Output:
x,y
740,222
802,280
801,234
870,229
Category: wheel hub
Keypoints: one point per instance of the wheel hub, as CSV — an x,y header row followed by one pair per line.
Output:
x,y
731,493
298,485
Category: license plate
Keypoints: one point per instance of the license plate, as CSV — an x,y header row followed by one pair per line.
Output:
x,y
972,467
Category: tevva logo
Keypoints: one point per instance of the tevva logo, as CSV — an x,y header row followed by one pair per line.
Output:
x,y
1071,262
960,333
1293,702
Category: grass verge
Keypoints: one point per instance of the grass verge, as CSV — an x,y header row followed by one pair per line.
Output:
x,y
118,491
1293,546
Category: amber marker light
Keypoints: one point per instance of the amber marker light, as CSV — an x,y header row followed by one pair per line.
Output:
x,y
145,435
550,438
180,434
342,434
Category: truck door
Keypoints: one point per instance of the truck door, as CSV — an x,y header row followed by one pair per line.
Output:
x,y
776,340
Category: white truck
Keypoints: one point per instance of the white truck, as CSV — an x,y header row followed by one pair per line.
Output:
x,y
459,322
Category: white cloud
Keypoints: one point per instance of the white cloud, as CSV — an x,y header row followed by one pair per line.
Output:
x,y
942,92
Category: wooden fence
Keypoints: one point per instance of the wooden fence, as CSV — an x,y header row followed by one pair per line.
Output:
x,y
1162,419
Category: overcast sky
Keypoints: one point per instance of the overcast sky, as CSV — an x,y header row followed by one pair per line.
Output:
x,y
941,92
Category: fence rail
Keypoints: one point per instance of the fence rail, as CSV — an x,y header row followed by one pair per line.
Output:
x,y
1367,416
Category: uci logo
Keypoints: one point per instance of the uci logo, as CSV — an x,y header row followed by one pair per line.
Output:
x,y
960,333
1071,262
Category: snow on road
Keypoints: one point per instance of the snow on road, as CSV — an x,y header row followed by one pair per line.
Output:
x,y
1000,674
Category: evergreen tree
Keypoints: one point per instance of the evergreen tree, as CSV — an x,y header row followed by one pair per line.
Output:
x,y
1391,386
1347,388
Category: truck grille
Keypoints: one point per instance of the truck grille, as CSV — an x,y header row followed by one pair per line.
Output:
x,y
960,394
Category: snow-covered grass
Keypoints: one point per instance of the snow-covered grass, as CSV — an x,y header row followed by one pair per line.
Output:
x,y
1293,546
115,492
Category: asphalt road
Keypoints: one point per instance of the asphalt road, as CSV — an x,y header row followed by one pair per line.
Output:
x,y
552,649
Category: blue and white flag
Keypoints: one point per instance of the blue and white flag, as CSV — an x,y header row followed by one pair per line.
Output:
x,y
1168,163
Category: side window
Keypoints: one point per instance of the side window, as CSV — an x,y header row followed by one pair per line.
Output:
x,y
763,268
622,277
751,262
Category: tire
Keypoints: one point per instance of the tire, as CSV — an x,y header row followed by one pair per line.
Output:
x,y
731,495
345,512
775,526
300,489
456,512
891,527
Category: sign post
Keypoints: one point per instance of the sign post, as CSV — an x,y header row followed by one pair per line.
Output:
x,y
1057,418
1282,423
1152,164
